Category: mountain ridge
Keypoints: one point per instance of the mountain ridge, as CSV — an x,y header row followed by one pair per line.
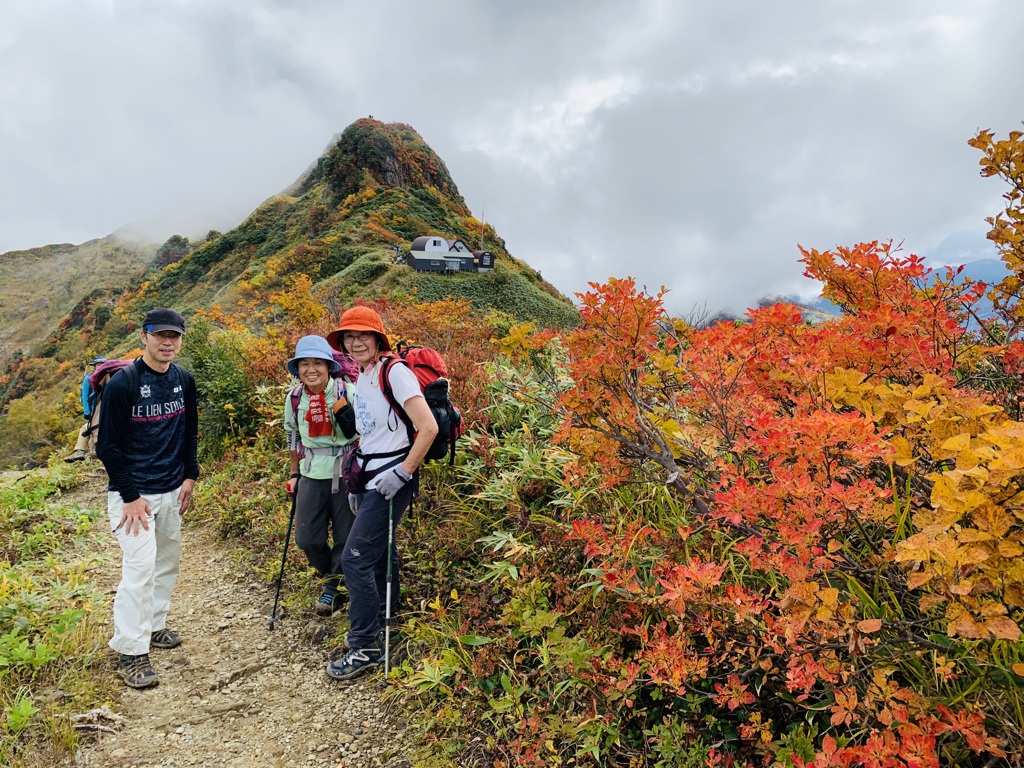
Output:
x,y
43,285
374,190
343,225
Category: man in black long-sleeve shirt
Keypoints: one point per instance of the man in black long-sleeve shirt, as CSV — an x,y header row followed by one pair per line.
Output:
x,y
149,440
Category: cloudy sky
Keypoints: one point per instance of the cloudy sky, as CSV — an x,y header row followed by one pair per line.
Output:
x,y
687,143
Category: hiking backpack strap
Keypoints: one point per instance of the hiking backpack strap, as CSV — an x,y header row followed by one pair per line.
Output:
x,y
385,387
340,387
338,452
132,372
295,437
451,442
389,394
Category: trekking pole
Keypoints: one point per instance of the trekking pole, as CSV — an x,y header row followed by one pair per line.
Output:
x,y
387,593
284,556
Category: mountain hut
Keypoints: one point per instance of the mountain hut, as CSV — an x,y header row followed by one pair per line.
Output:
x,y
435,254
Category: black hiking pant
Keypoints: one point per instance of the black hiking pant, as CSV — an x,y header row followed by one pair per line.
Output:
x,y
366,564
322,524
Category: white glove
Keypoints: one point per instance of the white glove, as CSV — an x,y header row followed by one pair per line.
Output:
x,y
392,482
353,503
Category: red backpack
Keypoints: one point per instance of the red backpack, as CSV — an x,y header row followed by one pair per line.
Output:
x,y
431,371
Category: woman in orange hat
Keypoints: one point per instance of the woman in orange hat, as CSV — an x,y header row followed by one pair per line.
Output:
x,y
387,465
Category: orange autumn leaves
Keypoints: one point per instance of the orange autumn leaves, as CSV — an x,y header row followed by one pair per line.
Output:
x,y
823,464
793,443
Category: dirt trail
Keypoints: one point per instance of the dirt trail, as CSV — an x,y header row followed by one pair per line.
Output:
x,y
235,693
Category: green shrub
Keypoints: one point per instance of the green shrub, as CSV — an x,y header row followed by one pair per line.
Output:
x,y
218,360
363,270
338,257
274,243
502,289
101,315
35,426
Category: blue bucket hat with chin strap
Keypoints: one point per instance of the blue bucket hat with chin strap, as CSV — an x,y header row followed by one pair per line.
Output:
x,y
315,347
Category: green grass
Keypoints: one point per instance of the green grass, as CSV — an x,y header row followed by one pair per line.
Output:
x,y
49,630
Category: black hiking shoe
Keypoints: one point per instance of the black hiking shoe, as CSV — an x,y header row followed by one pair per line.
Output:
x,y
136,671
165,638
340,650
328,603
355,662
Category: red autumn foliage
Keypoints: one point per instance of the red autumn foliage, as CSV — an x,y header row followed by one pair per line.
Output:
x,y
784,437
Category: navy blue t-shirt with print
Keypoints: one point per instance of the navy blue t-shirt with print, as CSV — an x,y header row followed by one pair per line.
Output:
x,y
149,440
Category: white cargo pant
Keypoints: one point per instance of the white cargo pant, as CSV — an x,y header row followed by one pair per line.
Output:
x,y
149,569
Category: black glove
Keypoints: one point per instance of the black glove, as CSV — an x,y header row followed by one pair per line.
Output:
x,y
345,418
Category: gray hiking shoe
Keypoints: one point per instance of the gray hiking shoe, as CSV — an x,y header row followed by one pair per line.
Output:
x,y
340,650
76,455
355,662
136,671
164,638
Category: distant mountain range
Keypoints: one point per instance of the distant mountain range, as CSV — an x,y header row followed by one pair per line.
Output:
x,y
989,271
40,287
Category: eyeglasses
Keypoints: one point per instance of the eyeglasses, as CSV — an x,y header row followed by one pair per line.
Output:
x,y
363,336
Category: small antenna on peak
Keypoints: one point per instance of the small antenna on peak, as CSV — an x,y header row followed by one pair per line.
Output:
x,y
483,218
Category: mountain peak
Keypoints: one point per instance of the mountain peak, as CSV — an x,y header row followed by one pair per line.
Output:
x,y
370,154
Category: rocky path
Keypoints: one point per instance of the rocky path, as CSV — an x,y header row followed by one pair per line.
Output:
x,y
234,693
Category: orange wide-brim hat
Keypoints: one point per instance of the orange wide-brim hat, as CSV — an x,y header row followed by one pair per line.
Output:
x,y
359,319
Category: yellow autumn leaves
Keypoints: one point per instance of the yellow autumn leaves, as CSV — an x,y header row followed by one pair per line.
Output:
x,y
967,551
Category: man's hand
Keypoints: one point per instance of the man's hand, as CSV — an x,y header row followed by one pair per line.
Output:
x,y
290,485
353,503
392,482
185,495
136,513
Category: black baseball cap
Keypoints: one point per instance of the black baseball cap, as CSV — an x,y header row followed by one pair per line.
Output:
x,y
97,360
163,319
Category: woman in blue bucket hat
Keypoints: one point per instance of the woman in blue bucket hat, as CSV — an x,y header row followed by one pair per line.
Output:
x,y
320,428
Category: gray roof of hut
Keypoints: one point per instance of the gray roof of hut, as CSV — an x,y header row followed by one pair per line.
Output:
x,y
420,243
